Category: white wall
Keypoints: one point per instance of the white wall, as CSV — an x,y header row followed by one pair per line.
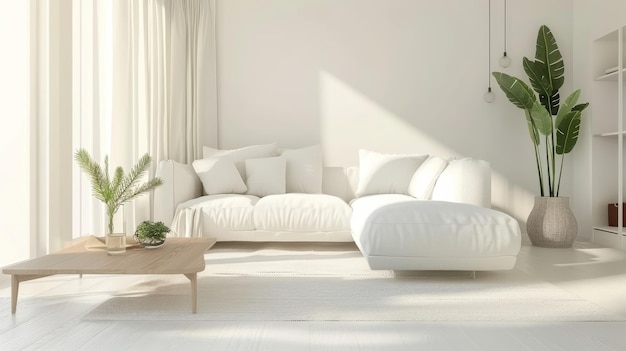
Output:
x,y
14,131
389,75
592,19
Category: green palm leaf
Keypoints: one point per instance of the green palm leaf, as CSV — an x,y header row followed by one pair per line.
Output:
x,y
537,77
552,102
567,106
547,53
516,90
567,132
580,107
541,119
532,130
549,62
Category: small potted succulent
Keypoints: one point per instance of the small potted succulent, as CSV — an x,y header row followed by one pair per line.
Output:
x,y
150,234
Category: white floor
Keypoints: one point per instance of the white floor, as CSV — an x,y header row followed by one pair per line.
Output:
x,y
50,310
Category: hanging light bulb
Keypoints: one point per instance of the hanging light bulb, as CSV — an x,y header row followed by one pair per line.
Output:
x,y
489,96
505,60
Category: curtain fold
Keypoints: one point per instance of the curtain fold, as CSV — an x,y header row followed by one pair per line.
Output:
x,y
164,76
163,91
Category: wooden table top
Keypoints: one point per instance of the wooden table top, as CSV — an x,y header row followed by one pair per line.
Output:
x,y
176,256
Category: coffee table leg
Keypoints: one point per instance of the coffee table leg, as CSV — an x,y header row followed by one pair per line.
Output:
x,y
193,277
15,285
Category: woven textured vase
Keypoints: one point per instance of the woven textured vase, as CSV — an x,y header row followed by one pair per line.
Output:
x,y
551,223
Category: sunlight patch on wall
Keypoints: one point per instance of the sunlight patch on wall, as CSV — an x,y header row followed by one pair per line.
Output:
x,y
351,121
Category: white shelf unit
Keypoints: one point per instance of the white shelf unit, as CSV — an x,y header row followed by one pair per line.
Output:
x,y
608,128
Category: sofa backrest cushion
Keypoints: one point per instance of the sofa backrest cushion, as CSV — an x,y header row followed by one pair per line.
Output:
x,y
239,156
266,176
425,177
467,181
219,175
386,173
304,169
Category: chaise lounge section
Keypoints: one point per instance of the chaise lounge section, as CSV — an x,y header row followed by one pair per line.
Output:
x,y
399,232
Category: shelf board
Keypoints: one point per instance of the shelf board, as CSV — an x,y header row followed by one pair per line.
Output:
x,y
607,229
610,134
610,76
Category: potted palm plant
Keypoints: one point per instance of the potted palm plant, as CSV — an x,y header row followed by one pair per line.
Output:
x,y
553,128
116,190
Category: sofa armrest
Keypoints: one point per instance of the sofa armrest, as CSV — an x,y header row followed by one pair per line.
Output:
x,y
180,184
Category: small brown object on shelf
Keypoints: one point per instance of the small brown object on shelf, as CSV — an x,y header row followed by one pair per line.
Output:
x,y
613,208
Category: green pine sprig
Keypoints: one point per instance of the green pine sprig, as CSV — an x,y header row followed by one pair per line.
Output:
x,y
122,188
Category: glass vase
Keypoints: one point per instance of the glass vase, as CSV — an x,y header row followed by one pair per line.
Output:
x,y
116,244
116,241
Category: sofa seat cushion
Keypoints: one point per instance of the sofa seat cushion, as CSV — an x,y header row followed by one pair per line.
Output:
x,y
296,212
201,216
401,226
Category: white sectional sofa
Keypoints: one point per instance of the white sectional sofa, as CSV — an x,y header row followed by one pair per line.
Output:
x,y
405,212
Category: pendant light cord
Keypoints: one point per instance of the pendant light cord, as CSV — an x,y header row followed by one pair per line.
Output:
x,y
504,25
489,48
489,97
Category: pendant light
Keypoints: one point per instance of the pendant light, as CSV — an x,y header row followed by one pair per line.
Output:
x,y
505,60
489,96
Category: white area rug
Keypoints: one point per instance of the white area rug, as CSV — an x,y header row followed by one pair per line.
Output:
x,y
293,282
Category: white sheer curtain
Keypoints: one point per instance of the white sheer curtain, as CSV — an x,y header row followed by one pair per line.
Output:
x,y
162,93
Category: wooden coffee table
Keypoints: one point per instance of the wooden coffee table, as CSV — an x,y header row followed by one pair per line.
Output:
x,y
176,256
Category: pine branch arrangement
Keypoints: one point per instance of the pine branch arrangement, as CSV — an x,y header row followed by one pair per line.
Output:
x,y
114,192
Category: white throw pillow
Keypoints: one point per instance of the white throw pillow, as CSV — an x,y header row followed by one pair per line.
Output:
x,y
467,181
219,176
386,173
304,169
424,179
266,176
239,156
